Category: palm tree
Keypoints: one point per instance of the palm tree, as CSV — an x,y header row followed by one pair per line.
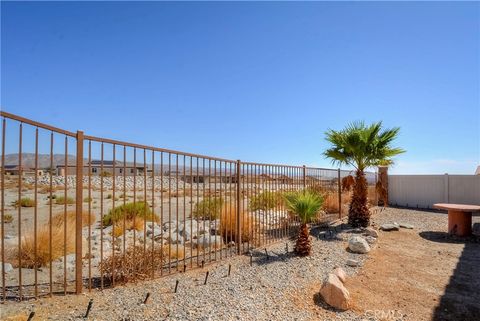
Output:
x,y
361,146
306,205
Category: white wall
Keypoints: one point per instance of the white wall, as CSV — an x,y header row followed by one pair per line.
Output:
x,y
425,190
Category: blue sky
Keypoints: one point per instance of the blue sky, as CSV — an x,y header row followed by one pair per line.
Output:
x,y
252,81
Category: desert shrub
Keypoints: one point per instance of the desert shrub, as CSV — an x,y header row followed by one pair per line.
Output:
x,y
266,200
170,251
61,200
331,205
133,265
130,224
372,195
105,174
109,196
208,208
129,211
8,218
46,189
24,202
59,218
228,223
87,200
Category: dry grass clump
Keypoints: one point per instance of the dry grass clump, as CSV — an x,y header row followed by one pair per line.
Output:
x,y
27,247
330,204
47,190
266,200
24,202
7,218
228,223
59,218
372,195
18,317
129,211
62,200
171,251
133,265
130,224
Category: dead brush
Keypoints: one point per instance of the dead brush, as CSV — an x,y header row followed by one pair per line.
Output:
x,y
59,229
228,224
134,264
131,224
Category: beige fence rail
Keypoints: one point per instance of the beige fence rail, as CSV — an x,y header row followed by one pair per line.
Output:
x,y
425,190
81,212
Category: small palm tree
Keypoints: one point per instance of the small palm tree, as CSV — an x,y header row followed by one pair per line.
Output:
x,y
306,205
361,146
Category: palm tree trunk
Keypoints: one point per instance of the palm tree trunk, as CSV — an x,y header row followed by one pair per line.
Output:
x,y
358,213
303,247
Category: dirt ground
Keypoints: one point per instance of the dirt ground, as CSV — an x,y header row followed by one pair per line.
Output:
x,y
419,275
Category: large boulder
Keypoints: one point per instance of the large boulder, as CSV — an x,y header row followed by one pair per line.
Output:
x,y
358,244
334,293
205,241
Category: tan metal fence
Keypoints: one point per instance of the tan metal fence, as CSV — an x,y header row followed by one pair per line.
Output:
x,y
81,212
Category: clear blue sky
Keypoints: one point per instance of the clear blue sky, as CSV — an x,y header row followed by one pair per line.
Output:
x,y
251,81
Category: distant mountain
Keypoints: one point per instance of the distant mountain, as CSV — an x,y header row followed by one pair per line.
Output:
x,y
28,160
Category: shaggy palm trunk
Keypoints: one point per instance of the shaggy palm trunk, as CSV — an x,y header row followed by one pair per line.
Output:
x,y
303,247
358,213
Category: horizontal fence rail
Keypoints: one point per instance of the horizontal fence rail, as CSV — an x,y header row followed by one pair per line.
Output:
x,y
82,212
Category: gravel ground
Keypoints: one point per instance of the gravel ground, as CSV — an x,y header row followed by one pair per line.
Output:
x,y
283,287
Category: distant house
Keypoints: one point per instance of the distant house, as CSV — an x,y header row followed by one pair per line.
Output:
x,y
106,168
200,177
275,178
26,171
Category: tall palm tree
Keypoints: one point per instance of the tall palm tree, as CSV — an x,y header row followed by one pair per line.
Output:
x,y
305,205
361,146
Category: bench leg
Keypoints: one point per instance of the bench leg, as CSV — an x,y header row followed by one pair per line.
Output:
x,y
460,223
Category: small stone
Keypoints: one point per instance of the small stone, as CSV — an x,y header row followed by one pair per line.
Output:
x,y
358,244
371,239
406,225
334,293
371,232
389,227
352,262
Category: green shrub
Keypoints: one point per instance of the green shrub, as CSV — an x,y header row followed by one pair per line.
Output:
x,y
61,200
266,200
87,199
24,202
129,211
109,196
208,208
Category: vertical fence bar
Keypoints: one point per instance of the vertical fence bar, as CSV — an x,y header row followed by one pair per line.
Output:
x,y
339,187
78,216
90,215
35,212
20,212
4,294
65,185
239,204
50,208
114,174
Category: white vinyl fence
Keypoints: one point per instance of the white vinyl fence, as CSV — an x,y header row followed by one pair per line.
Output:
x,y
425,190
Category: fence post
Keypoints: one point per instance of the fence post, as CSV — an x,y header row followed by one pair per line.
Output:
x,y
339,187
78,214
239,205
304,176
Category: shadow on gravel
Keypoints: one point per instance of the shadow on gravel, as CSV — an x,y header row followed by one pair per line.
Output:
x,y
461,299
261,258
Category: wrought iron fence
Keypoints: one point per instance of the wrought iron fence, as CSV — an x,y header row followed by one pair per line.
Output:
x,y
81,212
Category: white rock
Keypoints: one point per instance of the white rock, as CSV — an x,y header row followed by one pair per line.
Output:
x,y
8,267
352,262
208,241
340,273
406,225
358,244
389,227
